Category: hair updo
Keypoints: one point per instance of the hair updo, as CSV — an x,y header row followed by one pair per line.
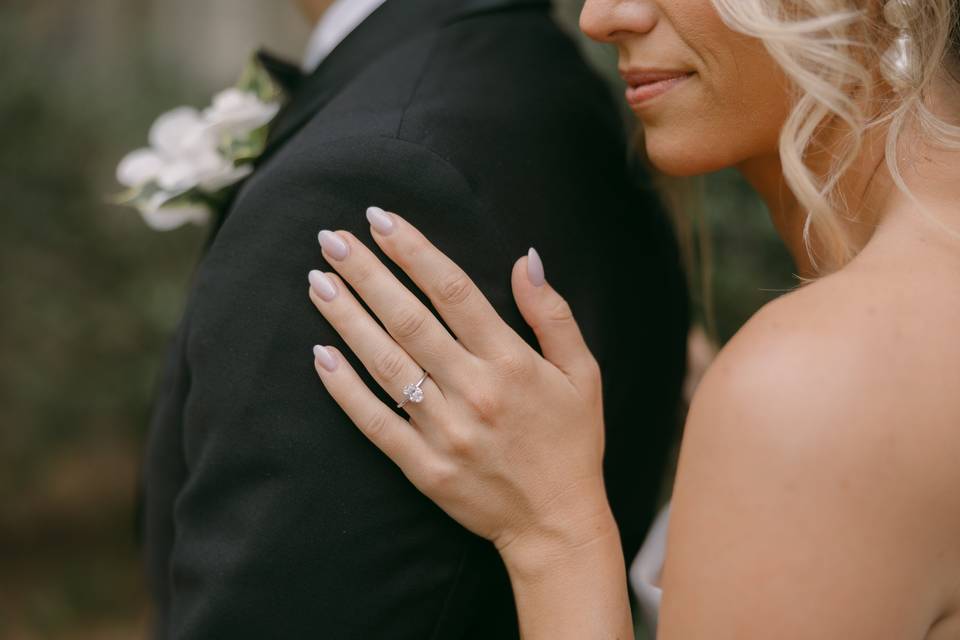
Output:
x,y
831,50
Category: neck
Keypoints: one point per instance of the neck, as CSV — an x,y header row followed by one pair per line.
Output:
x,y
924,222
765,175
880,216
863,189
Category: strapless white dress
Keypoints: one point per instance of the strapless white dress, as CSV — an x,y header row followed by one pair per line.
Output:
x,y
647,567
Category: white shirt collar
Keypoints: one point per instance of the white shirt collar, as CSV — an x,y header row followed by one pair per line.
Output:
x,y
337,23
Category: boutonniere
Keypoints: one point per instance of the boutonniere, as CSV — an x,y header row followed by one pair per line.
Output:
x,y
196,159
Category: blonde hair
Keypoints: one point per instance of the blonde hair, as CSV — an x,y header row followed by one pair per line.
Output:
x,y
829,50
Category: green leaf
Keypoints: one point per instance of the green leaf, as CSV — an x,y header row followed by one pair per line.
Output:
x,y
255,79
137,196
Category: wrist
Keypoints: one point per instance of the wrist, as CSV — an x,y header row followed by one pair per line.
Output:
x,y
571,583
582,530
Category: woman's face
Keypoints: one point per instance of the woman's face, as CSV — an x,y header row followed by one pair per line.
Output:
x,y
708,97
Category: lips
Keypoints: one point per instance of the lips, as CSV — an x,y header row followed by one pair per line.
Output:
x,y
644,85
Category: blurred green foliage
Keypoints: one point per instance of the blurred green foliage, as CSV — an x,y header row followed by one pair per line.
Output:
x,y
91,291
91,295
748,263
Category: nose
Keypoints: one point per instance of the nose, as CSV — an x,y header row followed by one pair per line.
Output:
x,y
610,21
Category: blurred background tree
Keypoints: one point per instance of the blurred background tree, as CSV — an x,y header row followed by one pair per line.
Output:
x,y
91,294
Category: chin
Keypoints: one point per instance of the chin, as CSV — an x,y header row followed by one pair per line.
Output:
x,y
685,155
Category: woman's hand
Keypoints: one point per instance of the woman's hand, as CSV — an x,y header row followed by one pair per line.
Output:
x,y
507,442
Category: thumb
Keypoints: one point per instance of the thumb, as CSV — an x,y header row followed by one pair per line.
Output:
x,y
551,319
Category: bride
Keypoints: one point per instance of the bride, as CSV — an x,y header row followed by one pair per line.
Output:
x,y
816,495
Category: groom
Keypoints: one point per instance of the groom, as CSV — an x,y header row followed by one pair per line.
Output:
x,y
268,515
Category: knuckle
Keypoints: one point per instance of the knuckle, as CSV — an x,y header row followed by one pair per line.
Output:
x,y
439,475
484,402
593,377
560,311
461,442
361,272
389,364
592,370
408,323
375,424
512,365
409,250
454,288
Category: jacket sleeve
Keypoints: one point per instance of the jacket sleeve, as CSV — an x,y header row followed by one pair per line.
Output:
x,y
290,523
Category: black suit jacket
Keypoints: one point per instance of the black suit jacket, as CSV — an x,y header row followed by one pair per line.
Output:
x,y
268,514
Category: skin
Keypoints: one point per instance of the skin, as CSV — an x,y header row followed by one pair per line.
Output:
x,y
314,9
815,496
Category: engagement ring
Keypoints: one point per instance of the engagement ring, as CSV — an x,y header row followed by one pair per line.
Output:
x,y
412,392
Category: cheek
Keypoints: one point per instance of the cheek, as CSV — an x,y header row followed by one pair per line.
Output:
x,y
732,111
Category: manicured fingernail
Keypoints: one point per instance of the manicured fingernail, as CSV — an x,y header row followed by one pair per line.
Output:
x,y
380,220
333,245
322,285
535,268
326,359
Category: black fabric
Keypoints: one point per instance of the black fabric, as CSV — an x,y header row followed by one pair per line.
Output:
x,y
268,515
283,72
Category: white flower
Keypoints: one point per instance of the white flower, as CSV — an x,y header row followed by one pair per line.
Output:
x,y
225,177
235,112
194,156
139,168
180,133
161,216
183,155
207,170
177,176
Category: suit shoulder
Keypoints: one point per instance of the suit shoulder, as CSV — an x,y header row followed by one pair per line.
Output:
x,y
509,68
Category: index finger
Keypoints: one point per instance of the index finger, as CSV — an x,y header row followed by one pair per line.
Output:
x,y
454,295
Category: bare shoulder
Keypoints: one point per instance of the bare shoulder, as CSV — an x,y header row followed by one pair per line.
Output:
x,y
826,437
869,353
851,369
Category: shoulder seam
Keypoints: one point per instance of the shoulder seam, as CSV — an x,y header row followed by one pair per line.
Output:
x,y
396,138
416,85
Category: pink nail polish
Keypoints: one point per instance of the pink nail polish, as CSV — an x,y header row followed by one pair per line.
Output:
x,y
325,357
333,245
535,268
322,285
381,221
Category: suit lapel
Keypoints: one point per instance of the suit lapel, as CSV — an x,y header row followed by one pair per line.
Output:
x,y
287,75
391,24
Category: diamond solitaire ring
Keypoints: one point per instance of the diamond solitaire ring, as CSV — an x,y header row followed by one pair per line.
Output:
x,y
413,393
